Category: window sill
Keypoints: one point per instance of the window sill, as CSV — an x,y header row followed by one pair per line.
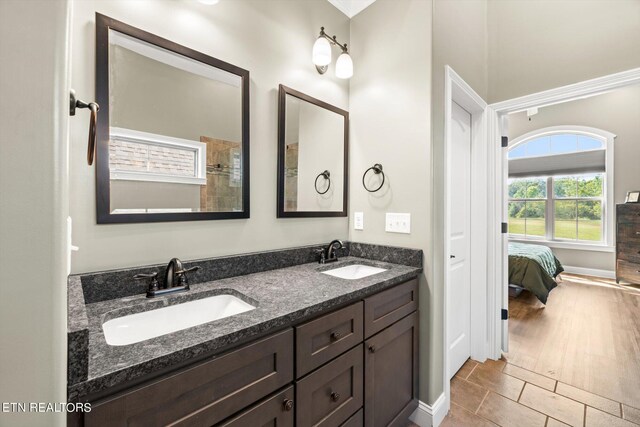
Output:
x,y
567,245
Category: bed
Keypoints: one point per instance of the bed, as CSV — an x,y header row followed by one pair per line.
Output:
x,y
534,268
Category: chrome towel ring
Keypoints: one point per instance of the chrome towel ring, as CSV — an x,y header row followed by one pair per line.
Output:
x,y
377,169
327,176
75,103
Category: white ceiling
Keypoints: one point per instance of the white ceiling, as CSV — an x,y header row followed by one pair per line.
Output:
x,y
351,7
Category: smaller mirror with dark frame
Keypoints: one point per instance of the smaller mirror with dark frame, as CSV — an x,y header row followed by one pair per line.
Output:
x,y
173,134
313,156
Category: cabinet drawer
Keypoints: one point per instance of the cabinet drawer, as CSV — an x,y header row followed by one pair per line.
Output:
x,y
628,272
275,411
331,394
391,374
629,232
387,307
628,213
204,394
356,420
629,252
320,340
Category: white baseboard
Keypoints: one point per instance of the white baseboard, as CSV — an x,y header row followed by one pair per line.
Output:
x,y
607,274
430,415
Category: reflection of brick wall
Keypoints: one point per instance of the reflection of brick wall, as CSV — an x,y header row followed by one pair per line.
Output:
x,y
222,192
140,157
291,177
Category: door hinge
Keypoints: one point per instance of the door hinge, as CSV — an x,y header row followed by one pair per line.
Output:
x,y
505,228
504,141
505,314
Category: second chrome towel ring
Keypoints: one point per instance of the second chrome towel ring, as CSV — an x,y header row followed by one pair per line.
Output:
x,y
377,169
327,176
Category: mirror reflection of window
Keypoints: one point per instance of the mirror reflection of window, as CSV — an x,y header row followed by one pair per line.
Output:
x,y
186,121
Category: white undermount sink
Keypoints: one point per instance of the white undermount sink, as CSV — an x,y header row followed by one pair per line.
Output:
x,y
354,271
138,327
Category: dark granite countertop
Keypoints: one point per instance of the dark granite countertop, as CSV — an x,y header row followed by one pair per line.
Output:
x,y
283,297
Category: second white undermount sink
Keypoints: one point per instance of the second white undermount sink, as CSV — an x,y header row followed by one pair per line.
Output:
x,y
138,327
354,271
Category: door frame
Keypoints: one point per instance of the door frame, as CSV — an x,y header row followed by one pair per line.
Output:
x,y
458,91
497,127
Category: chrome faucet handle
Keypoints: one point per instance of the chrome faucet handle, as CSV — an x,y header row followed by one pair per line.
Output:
x,y
153,280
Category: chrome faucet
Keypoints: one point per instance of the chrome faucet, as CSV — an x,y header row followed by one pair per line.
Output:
x,y
329,254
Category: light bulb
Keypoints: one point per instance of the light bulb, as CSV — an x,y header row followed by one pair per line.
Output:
x,y
321,52
344,66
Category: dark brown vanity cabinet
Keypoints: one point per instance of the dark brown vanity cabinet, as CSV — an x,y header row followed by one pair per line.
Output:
x,y
356,366
205,394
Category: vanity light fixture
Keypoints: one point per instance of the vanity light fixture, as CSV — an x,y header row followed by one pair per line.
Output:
x,y
321,56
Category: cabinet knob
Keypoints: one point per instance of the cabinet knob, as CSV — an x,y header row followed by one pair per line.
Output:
x,y
287,405
372,348
335,336
335,396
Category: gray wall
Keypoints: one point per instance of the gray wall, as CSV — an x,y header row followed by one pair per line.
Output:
x,y
273,40
617,112
460,41
34,199
536,45
390,106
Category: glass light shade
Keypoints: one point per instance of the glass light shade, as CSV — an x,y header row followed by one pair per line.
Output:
x,y
344,66
321,52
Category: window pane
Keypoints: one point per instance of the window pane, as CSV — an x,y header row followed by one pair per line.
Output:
x,y
588,143
518,188
519,151
590,185
565,219
536,188
538,147
535,223
172,161
516,217
590,221
565,186
564,143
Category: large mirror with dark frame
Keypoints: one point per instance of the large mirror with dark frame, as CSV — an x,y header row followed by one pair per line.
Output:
x,y
313,150
173,133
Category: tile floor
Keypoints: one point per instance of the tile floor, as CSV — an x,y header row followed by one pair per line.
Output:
x,y
496,393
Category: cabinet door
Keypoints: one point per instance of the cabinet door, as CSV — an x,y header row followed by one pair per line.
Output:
x,y
328,396
206,393
391,374
276,411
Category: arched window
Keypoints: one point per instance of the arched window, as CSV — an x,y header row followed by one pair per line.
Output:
x,y
561,187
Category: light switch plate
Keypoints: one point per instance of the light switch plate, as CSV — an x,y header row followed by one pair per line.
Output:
x,y
358,220
398,223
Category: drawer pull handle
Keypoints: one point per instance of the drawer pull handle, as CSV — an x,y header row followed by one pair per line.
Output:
x,y
335,336
287,405
335,396
372,348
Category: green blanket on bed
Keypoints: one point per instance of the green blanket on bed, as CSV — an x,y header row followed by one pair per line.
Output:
x,y
533,267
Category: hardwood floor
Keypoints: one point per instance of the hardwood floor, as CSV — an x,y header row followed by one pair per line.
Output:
x,y
574,362
587,336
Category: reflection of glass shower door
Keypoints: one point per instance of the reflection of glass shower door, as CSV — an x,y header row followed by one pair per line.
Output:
x,y
223,192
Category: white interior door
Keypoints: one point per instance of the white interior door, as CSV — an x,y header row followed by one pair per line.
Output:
x,y
459,289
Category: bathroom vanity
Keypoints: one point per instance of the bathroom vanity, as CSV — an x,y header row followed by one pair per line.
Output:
x,y
319,348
